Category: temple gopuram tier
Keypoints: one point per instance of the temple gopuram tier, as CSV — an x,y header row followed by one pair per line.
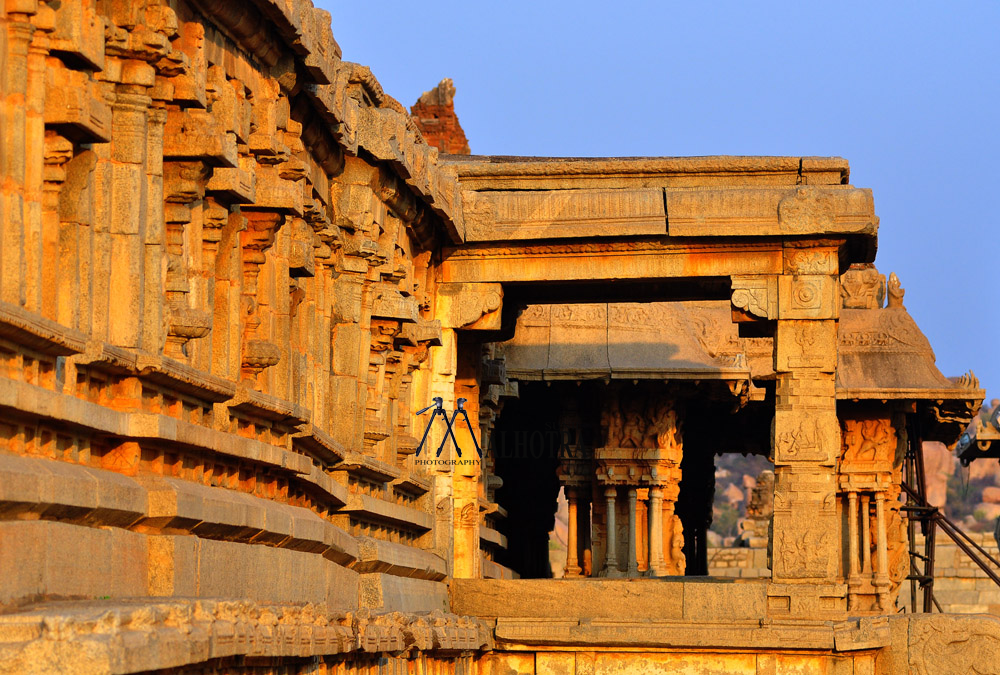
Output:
x,y
284,389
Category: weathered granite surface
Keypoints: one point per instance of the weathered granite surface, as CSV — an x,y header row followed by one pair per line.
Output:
x,y
232,271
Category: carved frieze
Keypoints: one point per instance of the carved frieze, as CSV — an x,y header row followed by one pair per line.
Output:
x,y
869,444
810,261
807,210
952,645
737,211
642,440
497,215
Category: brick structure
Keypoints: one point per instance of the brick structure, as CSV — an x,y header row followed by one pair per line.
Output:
x,y
434,114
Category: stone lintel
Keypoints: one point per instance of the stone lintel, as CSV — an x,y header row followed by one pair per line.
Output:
x,y
845,636
612,601
36,332
767,211
636,259
530,634
551,214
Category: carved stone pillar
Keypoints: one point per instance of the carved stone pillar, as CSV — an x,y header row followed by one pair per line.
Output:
x,y
58,152
643,451
867,473
866,537
882,550
259,352
583,531
128,230
633,563
467,486
572,564
852,534
183,186
656,565
23,51
806,539
23,120
611,555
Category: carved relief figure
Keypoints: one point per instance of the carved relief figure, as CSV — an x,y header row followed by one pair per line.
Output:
x,y
801,443
611,421
632,427
801,552
868,440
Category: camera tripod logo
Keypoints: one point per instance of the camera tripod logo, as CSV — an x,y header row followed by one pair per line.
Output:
x,y
438,408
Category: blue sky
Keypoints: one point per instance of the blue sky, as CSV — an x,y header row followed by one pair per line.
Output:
x,y
907,92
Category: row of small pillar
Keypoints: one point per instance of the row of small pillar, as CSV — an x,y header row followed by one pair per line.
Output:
x,y
880,577
657,566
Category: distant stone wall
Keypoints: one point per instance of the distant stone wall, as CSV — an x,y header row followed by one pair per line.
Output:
x,y
748,563
960,586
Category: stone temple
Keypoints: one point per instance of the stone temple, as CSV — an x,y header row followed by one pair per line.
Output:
x,y
233,270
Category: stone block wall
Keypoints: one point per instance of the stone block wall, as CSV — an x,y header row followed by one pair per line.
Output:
x,y
749,563
218,317
960,586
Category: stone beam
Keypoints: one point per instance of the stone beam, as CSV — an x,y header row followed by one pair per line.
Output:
x,y
542,173
549,214
635,259
732,211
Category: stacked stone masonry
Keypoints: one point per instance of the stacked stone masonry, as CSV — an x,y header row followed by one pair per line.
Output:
x,y
217,314
232,271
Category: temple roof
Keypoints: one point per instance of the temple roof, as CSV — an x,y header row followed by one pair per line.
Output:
x,y
616,340
882,354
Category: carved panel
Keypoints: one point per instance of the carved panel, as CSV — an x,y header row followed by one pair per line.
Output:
x,y
951,645
807,297
769,211
805,436
806,344
495,215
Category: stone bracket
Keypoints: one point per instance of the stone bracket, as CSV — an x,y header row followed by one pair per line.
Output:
x,y
756,295
469,305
